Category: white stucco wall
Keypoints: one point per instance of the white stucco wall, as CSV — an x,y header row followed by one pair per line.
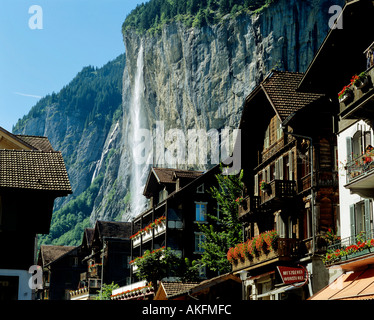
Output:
x,y
345,197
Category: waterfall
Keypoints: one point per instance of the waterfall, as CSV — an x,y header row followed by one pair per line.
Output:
x,y
138,122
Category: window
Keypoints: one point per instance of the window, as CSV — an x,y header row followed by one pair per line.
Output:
x,y
162,195
279,128
305,164
280,225
200,189
357,144
201,211
202,271
199,239
267,138
308,224
361,217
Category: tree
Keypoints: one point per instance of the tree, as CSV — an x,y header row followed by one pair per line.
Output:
x,y
106,291
219,238
158,264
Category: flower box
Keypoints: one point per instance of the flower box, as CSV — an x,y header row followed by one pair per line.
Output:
x,y
160,228
136,240
147,235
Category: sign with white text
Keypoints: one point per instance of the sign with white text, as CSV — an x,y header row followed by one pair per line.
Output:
x,y
291,275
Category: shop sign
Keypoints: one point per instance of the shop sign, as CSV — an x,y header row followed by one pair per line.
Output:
x,y
292,275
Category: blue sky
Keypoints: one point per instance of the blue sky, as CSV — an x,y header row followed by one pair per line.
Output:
x,y
37,62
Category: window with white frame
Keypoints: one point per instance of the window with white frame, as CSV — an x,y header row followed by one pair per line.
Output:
x,y
361,218
200,211
199,239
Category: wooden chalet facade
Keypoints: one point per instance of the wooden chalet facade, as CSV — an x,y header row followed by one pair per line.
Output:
x,y
107,253
178,202
62,266
286,133
32,176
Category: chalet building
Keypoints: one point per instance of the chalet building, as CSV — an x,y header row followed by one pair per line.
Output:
x,y
62,266
350,257
291,196
178,201
107,251
32,176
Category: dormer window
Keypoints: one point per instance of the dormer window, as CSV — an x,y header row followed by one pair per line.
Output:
x,y
200,188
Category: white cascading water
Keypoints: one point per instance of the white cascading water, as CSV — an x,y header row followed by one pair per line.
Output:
x,y
138,121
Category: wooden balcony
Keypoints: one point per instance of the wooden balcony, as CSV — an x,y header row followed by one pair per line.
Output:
x,y
287,249
250,204
277,192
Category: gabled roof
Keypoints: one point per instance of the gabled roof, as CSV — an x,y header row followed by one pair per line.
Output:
x,y
177,289
168,176
171,289
38,142
12,141
51,253
37,170
280,88
112,229
88,234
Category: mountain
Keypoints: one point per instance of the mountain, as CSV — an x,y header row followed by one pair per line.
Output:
x,y
190,68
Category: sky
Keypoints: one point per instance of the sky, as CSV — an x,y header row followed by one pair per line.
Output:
x,y
45,43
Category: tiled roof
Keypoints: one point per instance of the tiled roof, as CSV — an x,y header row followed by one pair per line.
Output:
x,y
114,229
40,143
51,253
280,87
36,170
168,175
173,288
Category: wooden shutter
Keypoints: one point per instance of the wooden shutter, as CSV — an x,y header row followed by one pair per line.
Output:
x,y
268,174
367,218
352,220
290,166
349,148
280,167
276,173
256,185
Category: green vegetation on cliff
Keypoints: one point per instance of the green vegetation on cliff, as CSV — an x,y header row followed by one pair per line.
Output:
x,y
76,120
153,14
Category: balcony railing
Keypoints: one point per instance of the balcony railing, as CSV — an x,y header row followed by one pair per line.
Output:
x,y
344,250
286,250
250,204
278,190
361,166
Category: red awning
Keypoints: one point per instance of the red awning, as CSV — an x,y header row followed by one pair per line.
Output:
x,y
358,285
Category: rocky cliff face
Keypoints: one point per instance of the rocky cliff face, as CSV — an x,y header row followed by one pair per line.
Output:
x,y
192,79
